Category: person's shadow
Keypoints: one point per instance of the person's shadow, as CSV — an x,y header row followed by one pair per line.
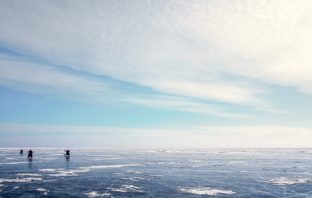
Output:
x,y
29,163
67,165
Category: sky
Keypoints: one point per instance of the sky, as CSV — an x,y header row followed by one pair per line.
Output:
x,y
156,74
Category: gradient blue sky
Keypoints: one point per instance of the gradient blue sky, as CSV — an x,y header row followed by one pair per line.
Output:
x,y
156,73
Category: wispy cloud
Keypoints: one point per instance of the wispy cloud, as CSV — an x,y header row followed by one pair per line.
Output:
x,y
45,79
268,41
186,105
48,80
177,48
219,91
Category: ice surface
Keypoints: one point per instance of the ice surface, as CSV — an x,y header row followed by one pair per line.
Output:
x,y
174,173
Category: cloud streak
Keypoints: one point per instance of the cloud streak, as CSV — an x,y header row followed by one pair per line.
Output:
x,y
184,105
48,80
45,79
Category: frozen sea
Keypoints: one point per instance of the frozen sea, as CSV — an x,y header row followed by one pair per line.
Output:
x,y
157,173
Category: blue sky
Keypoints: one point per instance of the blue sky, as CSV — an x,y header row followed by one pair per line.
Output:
x,y
155,73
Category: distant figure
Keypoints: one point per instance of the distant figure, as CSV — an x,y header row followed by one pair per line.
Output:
x,y
30,154
67,154
21,152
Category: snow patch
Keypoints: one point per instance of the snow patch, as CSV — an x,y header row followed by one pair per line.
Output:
x,y
28,174
43,190
281,181
135,179
72,172
112,166
21,180
96,194
206,191
48,170
134,172
127,188
12,163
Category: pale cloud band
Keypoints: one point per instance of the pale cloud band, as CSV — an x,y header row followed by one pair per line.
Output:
x,y
251,136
